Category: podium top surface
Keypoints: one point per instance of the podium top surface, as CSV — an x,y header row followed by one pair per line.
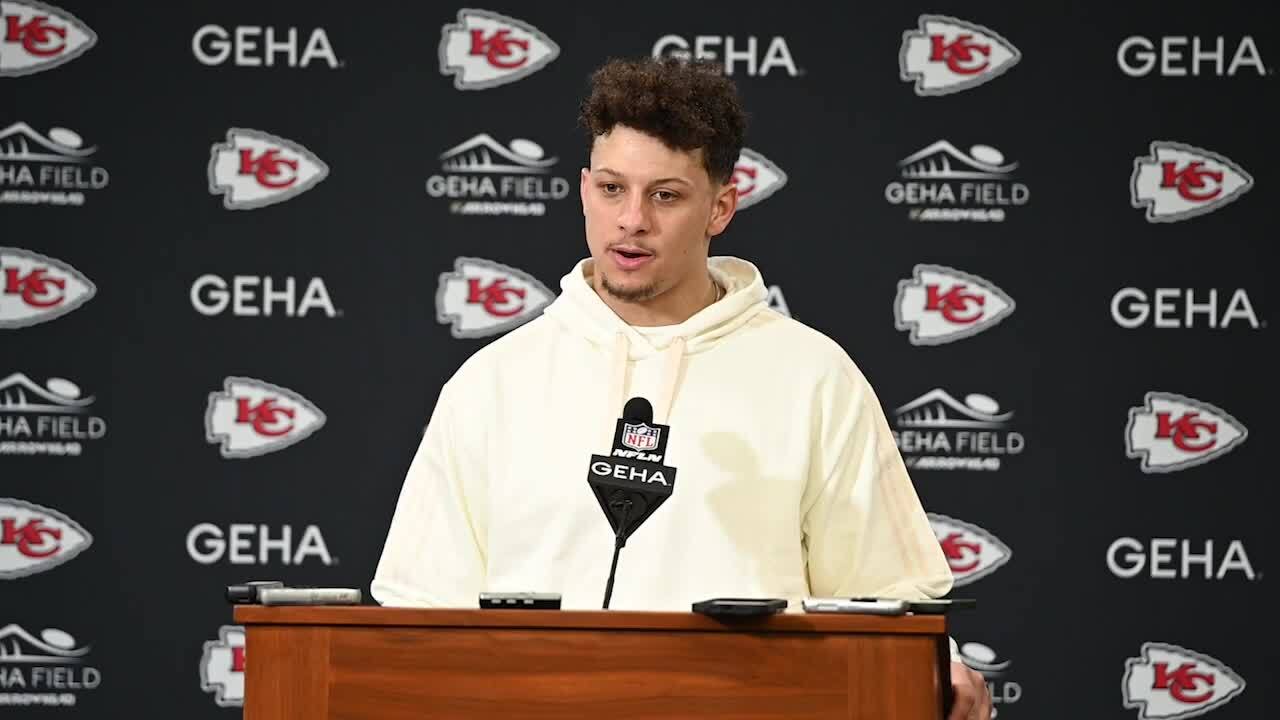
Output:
x,y
372,615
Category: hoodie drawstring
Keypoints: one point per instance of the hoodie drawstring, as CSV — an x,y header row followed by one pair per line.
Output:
x,y
671,359
618,371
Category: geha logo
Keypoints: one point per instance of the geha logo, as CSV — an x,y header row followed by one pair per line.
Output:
x,y
215,45
1178,308
777,301
938,432
50,168
39,37
212,295
1139,56
253,169
47,420
48,670
942,183
482,297
485,49
1173,558
484,177
739,55
249,544
946,55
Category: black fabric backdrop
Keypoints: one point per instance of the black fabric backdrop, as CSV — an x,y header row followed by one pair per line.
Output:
x,y
1056,628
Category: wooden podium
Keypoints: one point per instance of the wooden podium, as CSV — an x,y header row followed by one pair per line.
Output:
x,y
376,663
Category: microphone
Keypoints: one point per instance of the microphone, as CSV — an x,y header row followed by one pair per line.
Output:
x,y
638,409
631,482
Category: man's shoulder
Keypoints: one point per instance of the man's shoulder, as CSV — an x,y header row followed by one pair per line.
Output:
x,y
499,353
798,344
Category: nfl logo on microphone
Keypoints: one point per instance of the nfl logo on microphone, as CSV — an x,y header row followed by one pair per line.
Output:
x,y
640,437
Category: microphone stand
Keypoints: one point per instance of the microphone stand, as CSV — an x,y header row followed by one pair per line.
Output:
x,y
621,540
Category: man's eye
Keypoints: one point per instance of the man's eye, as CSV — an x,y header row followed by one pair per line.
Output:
x,y
665,195
611,188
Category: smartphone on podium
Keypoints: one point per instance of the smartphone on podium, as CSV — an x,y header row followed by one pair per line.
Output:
x,y
857,606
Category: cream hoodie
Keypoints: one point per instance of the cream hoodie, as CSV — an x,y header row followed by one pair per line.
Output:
x,y
788,481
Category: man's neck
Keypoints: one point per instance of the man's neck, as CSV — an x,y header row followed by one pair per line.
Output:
x,y
669,308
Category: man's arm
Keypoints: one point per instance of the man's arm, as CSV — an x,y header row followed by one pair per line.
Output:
x,y
434,554
865,531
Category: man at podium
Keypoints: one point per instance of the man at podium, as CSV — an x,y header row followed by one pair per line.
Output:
x,y
791,485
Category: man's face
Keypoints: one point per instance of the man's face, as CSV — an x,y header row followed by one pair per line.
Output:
x,y
650,214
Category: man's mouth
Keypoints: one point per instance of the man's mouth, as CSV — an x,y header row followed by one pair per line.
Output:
x,y
628,257
631,252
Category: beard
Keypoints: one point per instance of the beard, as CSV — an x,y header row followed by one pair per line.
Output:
x,y
635,294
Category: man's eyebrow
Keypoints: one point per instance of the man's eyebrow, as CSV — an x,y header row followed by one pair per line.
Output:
x,y
659,181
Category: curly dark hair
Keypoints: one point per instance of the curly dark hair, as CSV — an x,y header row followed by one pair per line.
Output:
x,y
687,104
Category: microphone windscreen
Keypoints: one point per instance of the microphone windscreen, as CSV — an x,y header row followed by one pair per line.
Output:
x,y
638,410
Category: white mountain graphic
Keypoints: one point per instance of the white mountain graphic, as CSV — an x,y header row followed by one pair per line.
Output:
x,y
19,394
19,646
937,409
20,142
484,154
983,659
942,161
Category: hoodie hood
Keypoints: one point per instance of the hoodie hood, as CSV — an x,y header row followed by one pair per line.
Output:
x,y
580,311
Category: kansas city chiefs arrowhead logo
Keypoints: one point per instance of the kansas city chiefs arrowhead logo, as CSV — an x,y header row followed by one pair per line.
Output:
x,y
222,666
253,169
251,418
972,553
484,50
35,37
1176,182
756,178
35,289
1171,683
946,55
1171,432
940,305
34,538
481,297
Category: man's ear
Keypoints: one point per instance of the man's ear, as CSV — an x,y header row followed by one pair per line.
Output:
x,y
583,183
723,208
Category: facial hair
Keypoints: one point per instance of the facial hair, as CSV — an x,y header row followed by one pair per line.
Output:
x,y
639,294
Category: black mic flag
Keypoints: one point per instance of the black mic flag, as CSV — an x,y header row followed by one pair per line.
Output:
x,y
631,482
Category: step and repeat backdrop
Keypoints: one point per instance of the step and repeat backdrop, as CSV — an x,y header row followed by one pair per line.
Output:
x,y
245,243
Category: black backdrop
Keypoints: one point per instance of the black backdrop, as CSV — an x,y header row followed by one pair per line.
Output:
x,y
1064,612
